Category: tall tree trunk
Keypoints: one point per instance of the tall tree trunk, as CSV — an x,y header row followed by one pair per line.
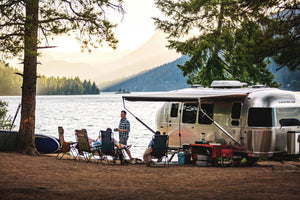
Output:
x,y
26,141
219,27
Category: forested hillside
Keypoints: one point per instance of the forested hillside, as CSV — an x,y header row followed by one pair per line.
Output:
x,y
10,84
163,78
170,77
289,80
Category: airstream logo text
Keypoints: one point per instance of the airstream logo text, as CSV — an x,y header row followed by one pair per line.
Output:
x,y
287,101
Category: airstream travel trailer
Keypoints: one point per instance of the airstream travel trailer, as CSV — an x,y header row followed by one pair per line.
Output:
x,y
263,122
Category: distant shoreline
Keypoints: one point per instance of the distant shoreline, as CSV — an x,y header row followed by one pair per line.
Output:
x,y
297,92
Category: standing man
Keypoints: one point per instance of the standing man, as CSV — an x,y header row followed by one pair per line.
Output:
x,y
124,129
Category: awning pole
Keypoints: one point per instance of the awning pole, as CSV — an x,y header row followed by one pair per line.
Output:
x,y
179,134
137,118
218,125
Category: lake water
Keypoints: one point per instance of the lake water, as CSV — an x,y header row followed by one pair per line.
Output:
x,y
90,112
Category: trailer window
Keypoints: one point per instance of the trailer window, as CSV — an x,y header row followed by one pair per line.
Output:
x,y
236,110
189,113
174,109
288,116
209,110
261,117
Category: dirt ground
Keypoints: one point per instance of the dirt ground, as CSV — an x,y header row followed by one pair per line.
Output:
x,y
45,177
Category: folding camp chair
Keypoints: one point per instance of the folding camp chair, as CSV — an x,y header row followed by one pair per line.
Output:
x,y
160,147
83,146
65,146
108,147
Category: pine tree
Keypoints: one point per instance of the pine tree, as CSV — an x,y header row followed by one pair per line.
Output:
x,y
21,21
94,89
225,39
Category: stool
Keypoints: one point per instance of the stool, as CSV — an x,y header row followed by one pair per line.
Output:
x,y
227,157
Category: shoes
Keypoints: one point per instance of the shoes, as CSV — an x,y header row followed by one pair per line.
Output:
x,y
128,146
132,161
150,163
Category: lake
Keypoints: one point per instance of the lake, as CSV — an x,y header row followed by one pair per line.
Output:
x,y
90,112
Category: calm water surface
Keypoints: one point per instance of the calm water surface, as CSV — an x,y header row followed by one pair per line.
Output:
x,y
90,112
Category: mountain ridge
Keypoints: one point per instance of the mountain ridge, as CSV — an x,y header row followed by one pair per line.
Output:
x,y
107,67
169,77
148,56
163,78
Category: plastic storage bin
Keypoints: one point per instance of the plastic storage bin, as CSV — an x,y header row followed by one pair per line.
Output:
x,y
184,158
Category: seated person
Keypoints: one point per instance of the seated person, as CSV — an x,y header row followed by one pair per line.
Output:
x,y
147,154
95,144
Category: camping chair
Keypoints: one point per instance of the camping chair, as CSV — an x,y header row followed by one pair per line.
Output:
x,y
109,149
160,147
65,146
83,146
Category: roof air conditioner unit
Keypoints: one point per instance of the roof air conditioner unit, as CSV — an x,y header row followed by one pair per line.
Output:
x,y
227,84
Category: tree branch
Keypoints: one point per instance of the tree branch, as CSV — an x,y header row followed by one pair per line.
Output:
x,y
2,37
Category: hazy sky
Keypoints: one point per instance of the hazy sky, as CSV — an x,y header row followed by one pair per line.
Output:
x,y
136,28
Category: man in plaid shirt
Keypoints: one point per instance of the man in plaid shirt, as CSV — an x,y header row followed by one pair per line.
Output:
x,y
124,129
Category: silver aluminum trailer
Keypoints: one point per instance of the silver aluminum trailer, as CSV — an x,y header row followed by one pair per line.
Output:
x,y
258,121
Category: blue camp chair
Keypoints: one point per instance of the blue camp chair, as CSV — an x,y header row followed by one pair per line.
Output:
x,y
109,149
160,146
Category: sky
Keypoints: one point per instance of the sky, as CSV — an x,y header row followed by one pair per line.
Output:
x,y
135,29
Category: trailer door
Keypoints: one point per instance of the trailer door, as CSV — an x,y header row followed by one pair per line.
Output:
x,y
173,117
188,128
173,124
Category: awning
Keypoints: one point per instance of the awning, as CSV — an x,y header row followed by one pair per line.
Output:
x,y
183,97
188,95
